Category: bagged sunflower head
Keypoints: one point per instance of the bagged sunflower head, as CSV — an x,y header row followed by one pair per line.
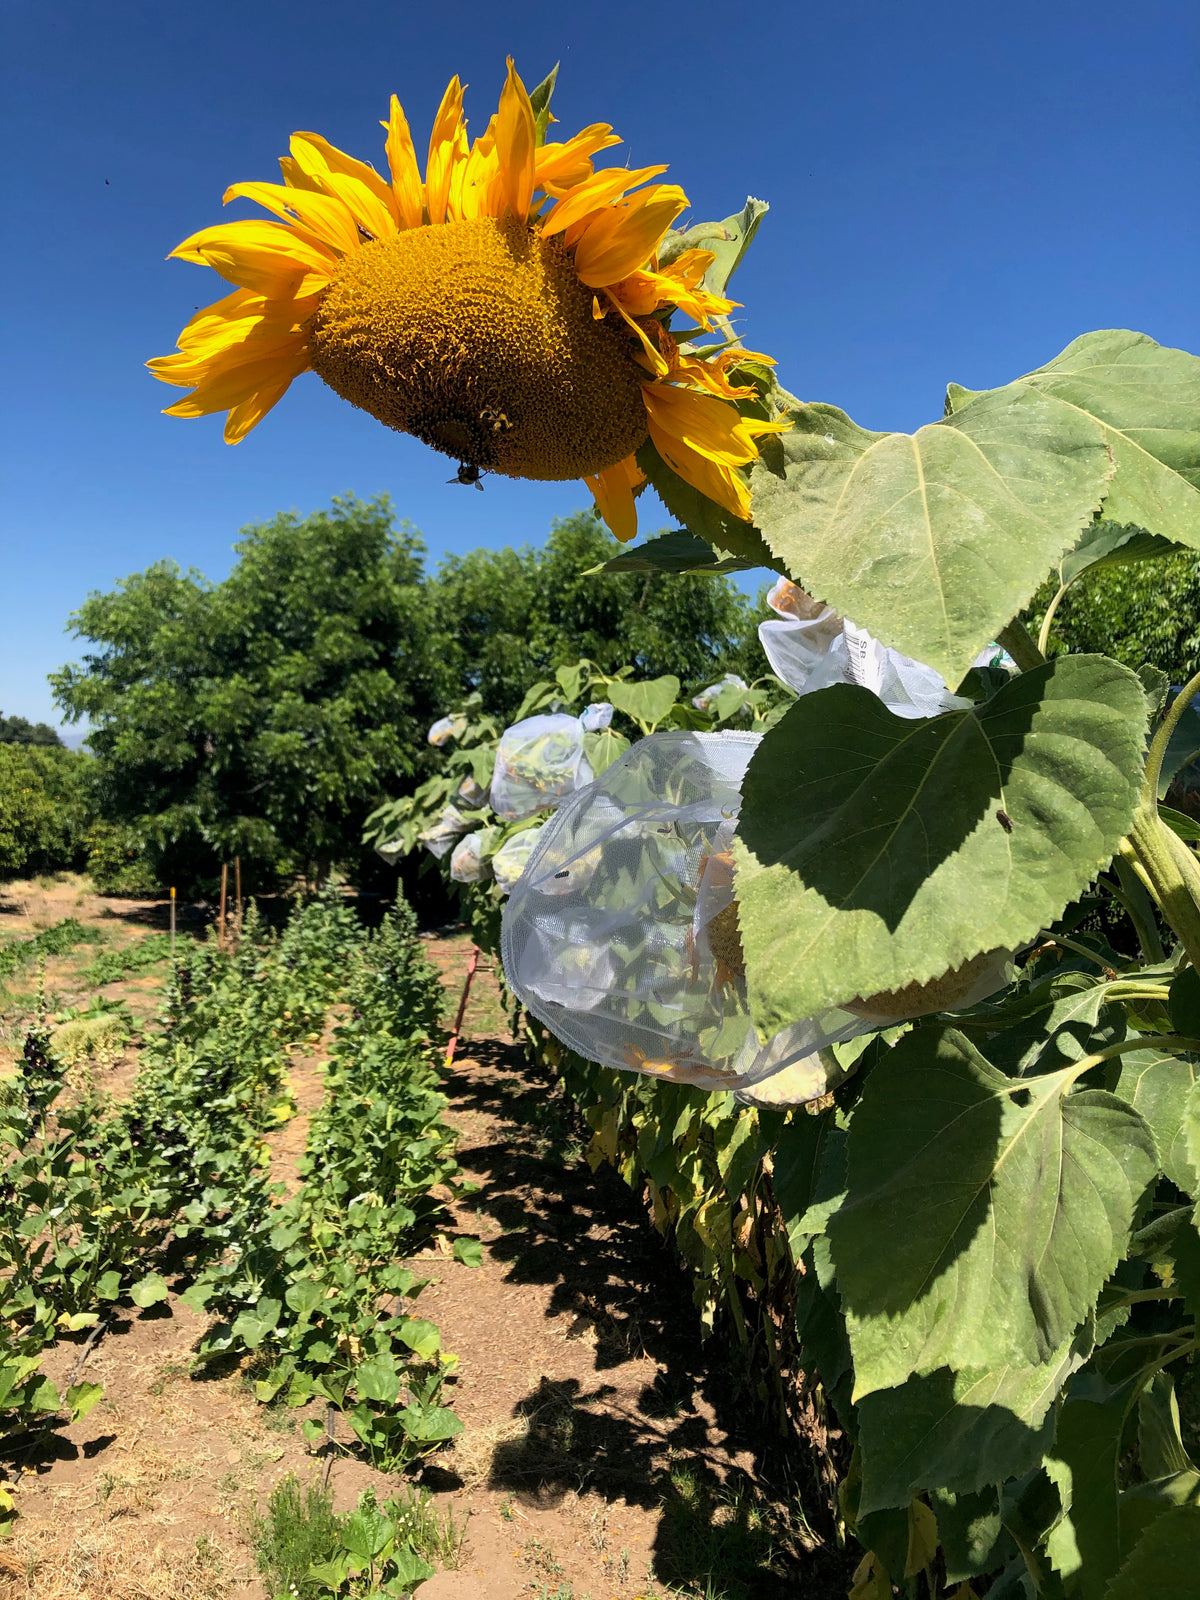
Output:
x,y
472,794
468,863
538,763
447,728
510,860
450,826
731,687
621,935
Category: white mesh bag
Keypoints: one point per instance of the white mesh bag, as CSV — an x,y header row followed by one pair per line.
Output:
x,y
450,826
467,864
621,934
810,647
509,861
707,699
538,762
471,793
596,717
447,728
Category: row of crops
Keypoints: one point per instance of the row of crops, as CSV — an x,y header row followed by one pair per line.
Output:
x,y
967,1250
166,1197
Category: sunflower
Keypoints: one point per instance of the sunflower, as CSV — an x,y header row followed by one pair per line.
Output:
x,y
509,309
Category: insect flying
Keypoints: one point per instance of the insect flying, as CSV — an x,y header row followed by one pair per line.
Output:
x,y
467,473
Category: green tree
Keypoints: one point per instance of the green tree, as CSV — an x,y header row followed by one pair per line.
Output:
x,y
19,730
511,616
1146,613
265,715
45,808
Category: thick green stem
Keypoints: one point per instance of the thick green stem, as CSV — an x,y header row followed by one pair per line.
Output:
x,y
1020,646
1140,910
1044,631
1158,745
1174,883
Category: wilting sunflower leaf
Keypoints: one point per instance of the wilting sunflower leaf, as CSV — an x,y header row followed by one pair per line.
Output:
x,y
1004,1203
933,541
875,851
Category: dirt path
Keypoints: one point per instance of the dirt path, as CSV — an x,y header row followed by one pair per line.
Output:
x,y
603,1454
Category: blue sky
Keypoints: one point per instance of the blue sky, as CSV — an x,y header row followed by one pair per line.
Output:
x,y
957,192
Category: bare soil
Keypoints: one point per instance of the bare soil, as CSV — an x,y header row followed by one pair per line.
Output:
x,y
606,1452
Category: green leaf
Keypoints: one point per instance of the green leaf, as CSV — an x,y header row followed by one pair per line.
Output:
x,y
934,541
410,1569
366,1532
870,852
795,1162
539,100
469,1252
149,1290
971,1533
647,702
1165,1560
1159,1086
1179,824
1085,1546
304,1296
1146,397
333,1572
1004,1204
314,1432
378,1380
253,1326
960,1431
1161,1450
1112,544
703,517
570,679
603,748
41,1395
676,551
81,1397
421,1337
108,1286
1184,1003
931,541
430,1424
728,241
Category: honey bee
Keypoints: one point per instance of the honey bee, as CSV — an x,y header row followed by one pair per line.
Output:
x,y
496,420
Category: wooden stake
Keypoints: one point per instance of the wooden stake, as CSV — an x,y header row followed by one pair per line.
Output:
x,y
172,923
224,895
237,876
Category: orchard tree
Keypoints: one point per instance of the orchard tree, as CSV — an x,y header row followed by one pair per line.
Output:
x,y
265,715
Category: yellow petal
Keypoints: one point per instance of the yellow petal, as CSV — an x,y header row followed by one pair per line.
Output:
x,y
624,237
699,437
657,362
259,342
446,149
231,385
249,413
266,257
594,195
407,187
321,159
323,219
558,167
612,490
511,191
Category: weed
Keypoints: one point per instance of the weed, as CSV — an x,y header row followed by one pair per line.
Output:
x,y
420,1527
300,1528
507,1513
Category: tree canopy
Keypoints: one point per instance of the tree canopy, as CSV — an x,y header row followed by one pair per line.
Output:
x,y
19,730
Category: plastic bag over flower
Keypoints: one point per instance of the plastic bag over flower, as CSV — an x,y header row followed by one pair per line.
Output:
x,y
447,728
811,647
621,934
449,827
596,717
467,864
539,761
510,860
707,699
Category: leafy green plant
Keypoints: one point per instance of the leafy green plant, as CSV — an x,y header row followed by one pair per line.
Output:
x,y
300,1529
53,941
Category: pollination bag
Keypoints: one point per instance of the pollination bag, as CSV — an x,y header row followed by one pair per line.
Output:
x,y
471,793
538,763
708,699
596,717
510,860
447,728
810,647
450,826
621,934
467,864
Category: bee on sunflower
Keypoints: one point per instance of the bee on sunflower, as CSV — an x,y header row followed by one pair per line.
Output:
x,y
513,281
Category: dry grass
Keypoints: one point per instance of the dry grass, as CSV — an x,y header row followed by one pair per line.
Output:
x,y
102,1562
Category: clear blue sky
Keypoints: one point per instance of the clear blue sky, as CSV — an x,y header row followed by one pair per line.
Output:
x,y
957,192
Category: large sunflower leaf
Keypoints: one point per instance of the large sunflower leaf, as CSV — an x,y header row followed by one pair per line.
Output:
x,y
1004,1205
1164,1561
960,1430
728,241
872,852
704,517
934,540
1112,544
1085,1547
1161,1087
675,551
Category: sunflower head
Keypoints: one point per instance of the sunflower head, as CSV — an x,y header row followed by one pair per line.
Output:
x,y
508,307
